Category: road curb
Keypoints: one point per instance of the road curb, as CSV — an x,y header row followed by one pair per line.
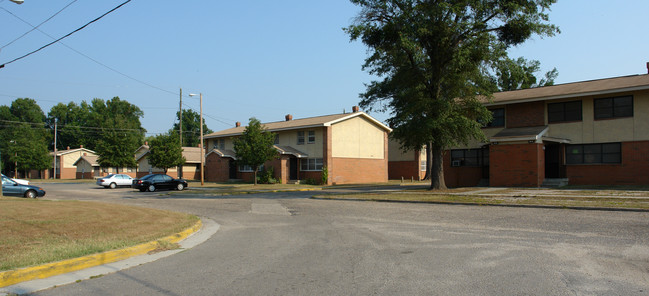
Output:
x,y
491,205
12,277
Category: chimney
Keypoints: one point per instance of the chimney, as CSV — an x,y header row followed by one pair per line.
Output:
x,y
146,143
68,147
238,124
289,117
647,67
80,146
355,109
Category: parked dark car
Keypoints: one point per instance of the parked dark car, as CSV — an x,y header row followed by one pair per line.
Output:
x,y
11,187
154,182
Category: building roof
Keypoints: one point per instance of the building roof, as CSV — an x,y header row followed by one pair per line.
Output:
x,y
224,153
67,151
191,154
290,151
91,159
532,133
571,90
326,120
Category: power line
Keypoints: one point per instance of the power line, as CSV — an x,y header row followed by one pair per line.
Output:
x,y
34,28
57,40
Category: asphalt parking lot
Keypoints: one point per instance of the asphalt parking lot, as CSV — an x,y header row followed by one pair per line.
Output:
x,y
287,244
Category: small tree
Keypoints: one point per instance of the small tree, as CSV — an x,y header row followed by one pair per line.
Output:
x,y
165,152
255,146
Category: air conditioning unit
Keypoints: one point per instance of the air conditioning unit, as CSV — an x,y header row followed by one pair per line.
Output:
x,y
456,163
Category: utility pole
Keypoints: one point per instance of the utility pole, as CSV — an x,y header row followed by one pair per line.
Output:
x,y
202,149
56,120
181,117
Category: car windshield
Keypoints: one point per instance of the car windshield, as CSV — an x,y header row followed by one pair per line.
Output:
x,y
7,181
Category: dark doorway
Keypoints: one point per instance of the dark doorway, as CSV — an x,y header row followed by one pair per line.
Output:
x,y
484,161
293,169
233,169
553,165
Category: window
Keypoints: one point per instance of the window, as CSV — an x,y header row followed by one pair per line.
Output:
x,y
564,111
422,165
614,107
594,153
498,118
300,138
222,144
311,164
311,137
470,157
248,168
276,139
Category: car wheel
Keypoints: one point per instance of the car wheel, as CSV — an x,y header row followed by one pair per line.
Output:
x,y
151,188
30,194
112,185
180,186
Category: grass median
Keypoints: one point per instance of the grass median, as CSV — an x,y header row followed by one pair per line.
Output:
x,y
555,201
34,232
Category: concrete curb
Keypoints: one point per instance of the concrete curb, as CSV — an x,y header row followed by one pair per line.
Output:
x,y
248,192
491,205
12,277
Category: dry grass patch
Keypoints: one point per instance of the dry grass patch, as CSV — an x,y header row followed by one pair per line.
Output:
x,y
34,232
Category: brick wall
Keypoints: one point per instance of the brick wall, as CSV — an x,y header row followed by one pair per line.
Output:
x,y
462,176
358,170
217,169
67,173
525,114
634,169
516,165
404,169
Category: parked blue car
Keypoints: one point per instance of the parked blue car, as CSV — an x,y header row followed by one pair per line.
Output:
x,y
10,187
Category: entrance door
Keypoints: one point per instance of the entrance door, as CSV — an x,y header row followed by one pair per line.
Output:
x,y
553,161
232,166
293,169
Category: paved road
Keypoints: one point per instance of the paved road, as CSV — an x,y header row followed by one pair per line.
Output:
x,y
285,244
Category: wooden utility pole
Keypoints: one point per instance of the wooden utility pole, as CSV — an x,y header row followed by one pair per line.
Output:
x,y
181,117
56,120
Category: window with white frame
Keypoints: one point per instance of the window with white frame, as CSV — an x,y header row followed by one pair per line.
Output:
x,y
422,165
276,139
311,164
311,137
300,138
222,144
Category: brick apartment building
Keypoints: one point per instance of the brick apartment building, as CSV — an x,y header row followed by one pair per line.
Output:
x,y
352,146
590,132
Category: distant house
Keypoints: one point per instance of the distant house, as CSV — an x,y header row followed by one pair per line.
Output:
x,y
66,160
88,167
410,165
190,170
352,146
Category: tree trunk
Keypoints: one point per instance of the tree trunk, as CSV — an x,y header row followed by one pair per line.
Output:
x,y
437,169
255,178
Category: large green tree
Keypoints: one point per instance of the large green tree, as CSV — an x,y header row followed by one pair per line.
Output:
x,y
165,151
433,62
513,74
255,146
121,132
73,126
24,137
191,127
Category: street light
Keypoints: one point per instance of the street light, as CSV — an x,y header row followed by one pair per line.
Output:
x,y
202,149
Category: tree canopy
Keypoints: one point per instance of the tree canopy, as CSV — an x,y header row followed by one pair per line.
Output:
x,y
165,151
433,62
520,74
191,128
255,146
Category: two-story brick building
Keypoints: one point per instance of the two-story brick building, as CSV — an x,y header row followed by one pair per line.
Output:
x,y
352,147
590,132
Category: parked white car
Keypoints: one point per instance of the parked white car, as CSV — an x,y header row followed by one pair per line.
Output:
x,y
21,181
112,181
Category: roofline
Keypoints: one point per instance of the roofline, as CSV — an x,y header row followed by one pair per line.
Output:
x,y
59,152
573,95
328,123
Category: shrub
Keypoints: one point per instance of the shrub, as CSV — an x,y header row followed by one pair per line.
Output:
x,y
267,176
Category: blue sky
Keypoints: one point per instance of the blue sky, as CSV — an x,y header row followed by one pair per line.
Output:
x,y
258,58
